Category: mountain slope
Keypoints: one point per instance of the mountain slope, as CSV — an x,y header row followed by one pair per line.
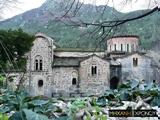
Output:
x,y
47,19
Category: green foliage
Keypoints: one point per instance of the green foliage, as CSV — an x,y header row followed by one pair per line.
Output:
x,y
25,106
101,101
3,117
13,46
2,78
18,105
130,90
30,115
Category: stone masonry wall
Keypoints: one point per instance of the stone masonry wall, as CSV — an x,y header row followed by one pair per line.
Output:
x,y
62,80
143,70
97,83
40,79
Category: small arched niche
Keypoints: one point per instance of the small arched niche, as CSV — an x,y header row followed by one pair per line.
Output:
x,y
40,83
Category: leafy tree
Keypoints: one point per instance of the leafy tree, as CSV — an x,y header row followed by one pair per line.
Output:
x,y
14,45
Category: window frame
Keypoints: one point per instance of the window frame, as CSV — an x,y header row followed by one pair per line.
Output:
x,y
38,63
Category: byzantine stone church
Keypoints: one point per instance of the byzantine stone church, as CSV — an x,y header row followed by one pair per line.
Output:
x,y
52,71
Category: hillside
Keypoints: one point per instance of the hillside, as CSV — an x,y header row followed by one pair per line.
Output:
x,y
47,19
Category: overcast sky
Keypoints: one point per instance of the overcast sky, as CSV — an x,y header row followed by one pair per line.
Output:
x,y
25,5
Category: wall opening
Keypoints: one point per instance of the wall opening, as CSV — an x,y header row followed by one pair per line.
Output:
x,y
132,47
114,83
94,70
121,47
135,62
154,81
40,83
115,47
38,63
74,81
127,47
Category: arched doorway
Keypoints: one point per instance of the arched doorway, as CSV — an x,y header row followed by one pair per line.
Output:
x,y
114,83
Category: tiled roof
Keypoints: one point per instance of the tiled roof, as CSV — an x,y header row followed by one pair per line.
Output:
x,y
120,36
79,50
67,61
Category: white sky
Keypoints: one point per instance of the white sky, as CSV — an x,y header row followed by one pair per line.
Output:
x,y
120,5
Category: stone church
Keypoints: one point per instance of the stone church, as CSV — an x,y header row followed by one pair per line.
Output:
x,y
52,71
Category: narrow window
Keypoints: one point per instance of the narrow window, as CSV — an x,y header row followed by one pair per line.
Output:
x,y
110,48
40,83
74,81
94,70
127,47
36,64
135,62
53,94
40,65
115,47
121,47
132,47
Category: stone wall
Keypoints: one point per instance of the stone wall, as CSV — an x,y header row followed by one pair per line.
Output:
x,y
42,51
41,54
14,79
40,83
143,70
62,82
94,84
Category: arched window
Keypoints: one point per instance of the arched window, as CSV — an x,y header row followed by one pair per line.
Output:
x,y
132,47
121,47
127,47
135,62
94,70
40,83
74,81
115,47
38,63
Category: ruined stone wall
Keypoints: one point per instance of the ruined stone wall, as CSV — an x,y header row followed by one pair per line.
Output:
x,y
14,79
97,83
